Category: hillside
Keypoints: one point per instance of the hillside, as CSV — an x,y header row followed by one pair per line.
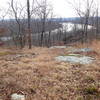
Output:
x,y
37,75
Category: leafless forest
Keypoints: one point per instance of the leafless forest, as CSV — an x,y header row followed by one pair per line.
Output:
x,y
35,24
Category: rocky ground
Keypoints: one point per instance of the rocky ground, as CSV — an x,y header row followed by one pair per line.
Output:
x,y
38,76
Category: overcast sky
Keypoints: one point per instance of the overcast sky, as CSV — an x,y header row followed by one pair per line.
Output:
x,y
61,7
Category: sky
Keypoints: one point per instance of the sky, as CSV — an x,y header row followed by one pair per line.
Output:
x,y
61,8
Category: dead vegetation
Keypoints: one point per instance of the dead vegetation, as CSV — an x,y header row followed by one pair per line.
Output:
x,y
37,75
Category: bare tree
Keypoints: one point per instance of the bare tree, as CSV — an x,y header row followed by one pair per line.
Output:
x,y
43,12
29,24
84,11
17,13
97,19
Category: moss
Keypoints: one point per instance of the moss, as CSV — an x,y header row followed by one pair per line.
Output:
x,y
80,98
92,89
5,53
77,55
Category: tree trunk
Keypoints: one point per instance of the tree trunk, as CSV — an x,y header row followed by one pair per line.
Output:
x,y
29,26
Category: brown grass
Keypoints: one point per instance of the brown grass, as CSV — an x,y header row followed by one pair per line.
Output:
x,y
40,77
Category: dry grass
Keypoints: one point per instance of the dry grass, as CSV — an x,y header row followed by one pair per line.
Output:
x,y
40,77
95,44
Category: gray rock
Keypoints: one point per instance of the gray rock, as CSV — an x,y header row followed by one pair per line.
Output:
x,y
76,59
58,47
81,50
16,96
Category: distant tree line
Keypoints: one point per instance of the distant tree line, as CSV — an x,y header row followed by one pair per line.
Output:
x,y
34,23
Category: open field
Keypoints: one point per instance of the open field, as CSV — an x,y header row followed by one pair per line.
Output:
x,y
37,75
